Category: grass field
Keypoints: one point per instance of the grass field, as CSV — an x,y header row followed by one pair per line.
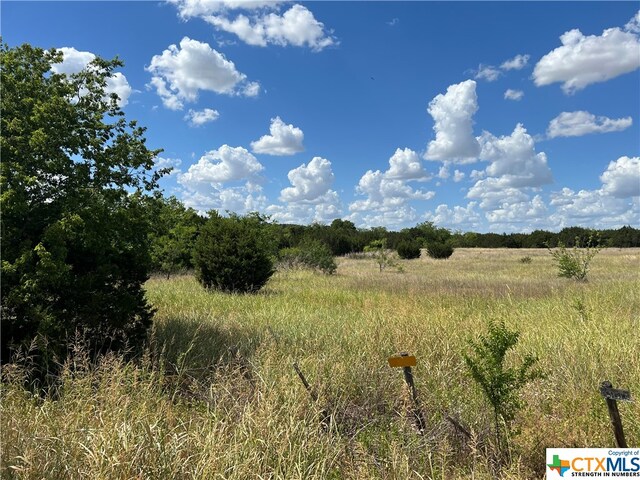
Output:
x,y
217,397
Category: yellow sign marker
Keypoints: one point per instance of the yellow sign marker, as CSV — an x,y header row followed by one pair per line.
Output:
x,y
405,361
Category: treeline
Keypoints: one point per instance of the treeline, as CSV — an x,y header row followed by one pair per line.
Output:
x,y
175,230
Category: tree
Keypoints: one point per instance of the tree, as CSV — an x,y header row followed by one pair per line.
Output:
x,y
574,263
500,384
233,254
173,234
382,255
74,233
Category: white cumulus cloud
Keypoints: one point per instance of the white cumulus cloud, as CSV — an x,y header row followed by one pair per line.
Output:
x,y
206,187
200,117
310,198
226,164
621,179
309,182
576,124
405,164
514,160
262,24
388,194
74,61
586,59
452,114
180,72
283,139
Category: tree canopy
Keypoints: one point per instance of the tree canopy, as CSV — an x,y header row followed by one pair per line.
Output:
x,y
74,232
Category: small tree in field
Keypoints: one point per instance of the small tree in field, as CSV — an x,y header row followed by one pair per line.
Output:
x,y
574,263
232,254
383,256
499,383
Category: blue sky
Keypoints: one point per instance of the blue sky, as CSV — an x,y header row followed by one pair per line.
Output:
x,y
484,116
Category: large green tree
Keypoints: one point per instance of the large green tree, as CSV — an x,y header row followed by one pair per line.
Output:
x,y
74,233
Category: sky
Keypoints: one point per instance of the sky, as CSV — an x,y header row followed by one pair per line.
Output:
x,y
477,116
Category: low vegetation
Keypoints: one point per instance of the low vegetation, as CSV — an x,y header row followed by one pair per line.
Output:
x,y
574,263
312,255
216,395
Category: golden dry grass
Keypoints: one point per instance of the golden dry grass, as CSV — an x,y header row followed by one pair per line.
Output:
x,y
217,397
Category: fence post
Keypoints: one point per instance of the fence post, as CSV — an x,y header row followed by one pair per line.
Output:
x,y
611,396
406,361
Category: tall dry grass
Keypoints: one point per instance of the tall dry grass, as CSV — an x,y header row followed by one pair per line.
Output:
x,y
216,395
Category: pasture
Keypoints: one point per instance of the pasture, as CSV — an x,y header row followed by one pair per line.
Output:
x,y
216,395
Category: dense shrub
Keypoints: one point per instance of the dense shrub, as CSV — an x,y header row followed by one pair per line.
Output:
x,y
439,250
409,250
232,254
310,254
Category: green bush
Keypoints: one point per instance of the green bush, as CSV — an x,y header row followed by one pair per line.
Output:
x,y
574,263
382,255
439,250
311,254
409,250
232,254
500,384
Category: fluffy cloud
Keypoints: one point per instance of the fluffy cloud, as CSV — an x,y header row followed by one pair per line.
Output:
x,y
592,207
458,217
583,60
516,63
297,26
406,165
513,94
262,24
576,124
309,182
452,114
458,176
621,179
388,193
225,164
75,61
204,182
514,159
284,139
310,197
180,72
197,118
